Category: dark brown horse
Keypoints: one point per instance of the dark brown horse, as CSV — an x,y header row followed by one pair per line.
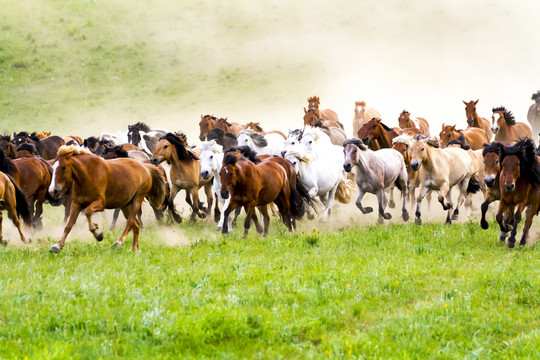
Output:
x,y
46,148
226,140
7,147
98,184
492,169
518,183
379,136
12,200
475,137
473,120
505,127
26,150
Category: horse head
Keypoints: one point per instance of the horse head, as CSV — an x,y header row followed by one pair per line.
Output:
x,y
470,111
350,149
370,130
206,125
210,158
313,103
447,134
228,173
492,166
62,171
419,150
404,120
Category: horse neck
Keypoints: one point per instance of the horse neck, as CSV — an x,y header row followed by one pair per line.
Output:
x,y
385,137
81,166
218,159
363,158
476,119
504,131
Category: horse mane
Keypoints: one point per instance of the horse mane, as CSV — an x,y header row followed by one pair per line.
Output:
x,y
179,141
257,138
246,152
508,116
360,103
461,142
296,132
319,124
299,155
215,133
494,147
256,125
229,159
70,150
314,98
386,127
118,150
225,121
140,126
34,136
403,139
405,112
22,133
355,141
535,95
211,145
210,116
231,136
525,150
31,148
6,165
5,137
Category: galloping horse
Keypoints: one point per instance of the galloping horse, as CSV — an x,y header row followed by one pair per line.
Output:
x,y
143,137
98,184
7,147
229,127
519,182
505,127
475,137
473,120
311,117
324,114
376,171
185,173
378,136
262,144
12,200
46,148
207,123
440,170
533,116
406,121
226,140
362,115
492,169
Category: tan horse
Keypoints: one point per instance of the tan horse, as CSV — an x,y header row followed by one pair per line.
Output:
x,y
42,134
506,129
185,173
12,200
98,184
473,136
441,169
473,120
362,115
324,114
406,121
311,118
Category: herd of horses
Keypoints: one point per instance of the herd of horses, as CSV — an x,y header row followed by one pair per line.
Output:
x,y
268,173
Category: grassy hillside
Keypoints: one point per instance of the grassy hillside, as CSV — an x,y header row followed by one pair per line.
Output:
x,y
398,291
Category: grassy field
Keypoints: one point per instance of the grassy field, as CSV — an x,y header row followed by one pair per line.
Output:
x,y
396,291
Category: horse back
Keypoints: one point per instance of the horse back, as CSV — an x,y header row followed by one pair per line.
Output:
x,y
125,178
327,114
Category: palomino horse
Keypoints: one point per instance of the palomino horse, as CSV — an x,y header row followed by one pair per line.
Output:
x,y
185,173
271,144
32,176
505,127
256,185
12,200
533,116
98,184
7,147
376,171
42,134
406,121
519,180
323,114
440,170
362,115
229,127
226,140
473,120
475,137
311,117
143,137
46,148
379,136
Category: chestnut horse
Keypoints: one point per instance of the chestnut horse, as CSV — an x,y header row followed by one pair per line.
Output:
x,y
207,123
12,200
185,173
505,127
323,114
406,121
473,120
492,169
362,115
229,127
475,137
98,184
311,117
379,136
518,183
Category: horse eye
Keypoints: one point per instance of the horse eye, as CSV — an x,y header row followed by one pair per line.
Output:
x,y
166,146
63,168
448,135
422,149
211,156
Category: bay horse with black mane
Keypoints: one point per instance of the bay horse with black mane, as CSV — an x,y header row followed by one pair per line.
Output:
x,y
7,147
207,124
377,135
226,140
473,136
505,127
185,173
473,120
98,184
46,148
519,184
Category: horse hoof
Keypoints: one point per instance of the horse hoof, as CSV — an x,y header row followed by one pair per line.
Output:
x,y
522,243
311,216
3,242
405,216
380,221
391,204
418,221
484,224
511,244
117,244
54,249
387,216
177,218
202,215
367,210
454,217
98,234
216,219
218,228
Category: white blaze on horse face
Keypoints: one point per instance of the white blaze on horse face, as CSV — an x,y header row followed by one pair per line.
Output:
x,y
495,127
53,180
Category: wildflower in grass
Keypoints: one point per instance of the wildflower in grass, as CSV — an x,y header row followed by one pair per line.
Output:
x,y
12,285
445,305
348,285
397,282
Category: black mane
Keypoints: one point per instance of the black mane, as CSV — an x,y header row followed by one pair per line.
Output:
x,y
31,148
387,128
140,126
525,150
229,159
5,137
6,165
405,112
118,150
354,141
215,134
461,142
34,137
536,95
508,116
494,147
246,151
179,140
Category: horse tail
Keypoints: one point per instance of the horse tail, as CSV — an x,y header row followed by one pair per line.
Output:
x,y
344,191
474,184
159,192
304,194
298,199
21,204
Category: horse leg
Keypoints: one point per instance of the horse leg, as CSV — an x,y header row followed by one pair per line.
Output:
x,y
174,191
222,214
402,181
114,219
250,210
12,214
217,212
39,208
517,218
328,204
364,210
236,214
381,199
461,198
2,241
194,192
421,195
266,218
488,199
209,197
443,191
94,229
392,203
226,212
503,225
67,206
258,225
531,211
139,216
74,211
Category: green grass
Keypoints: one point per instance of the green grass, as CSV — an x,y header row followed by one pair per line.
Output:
x,y
397,291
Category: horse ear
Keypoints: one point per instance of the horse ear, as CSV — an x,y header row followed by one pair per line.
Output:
x,y
305,111
453,127
476,102
464,102
443,126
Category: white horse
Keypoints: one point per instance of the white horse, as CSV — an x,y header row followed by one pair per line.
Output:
x,y
315,141
271,144
118,138
376,171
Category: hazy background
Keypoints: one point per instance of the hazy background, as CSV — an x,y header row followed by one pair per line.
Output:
x,y
84,67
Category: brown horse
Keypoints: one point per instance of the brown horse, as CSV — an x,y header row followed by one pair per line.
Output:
x,y
505,127
26,150
379,136
207,123
362,115
473,120
185,173
98,184
323,114
475,137
492,169
257,127
12,200
46,148
229,127
256,185
7,147
406,121
311,117
518,183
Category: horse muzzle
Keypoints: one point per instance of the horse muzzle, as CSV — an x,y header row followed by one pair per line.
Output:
x,y
283,153
489,180
55,193
495,130
347,167
470,122
205,174
509,187
415,165
365,140
202,138
155,161
225,194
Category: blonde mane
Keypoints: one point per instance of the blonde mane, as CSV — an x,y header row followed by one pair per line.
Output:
x,y
302,157
65,150
403,139
211,146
